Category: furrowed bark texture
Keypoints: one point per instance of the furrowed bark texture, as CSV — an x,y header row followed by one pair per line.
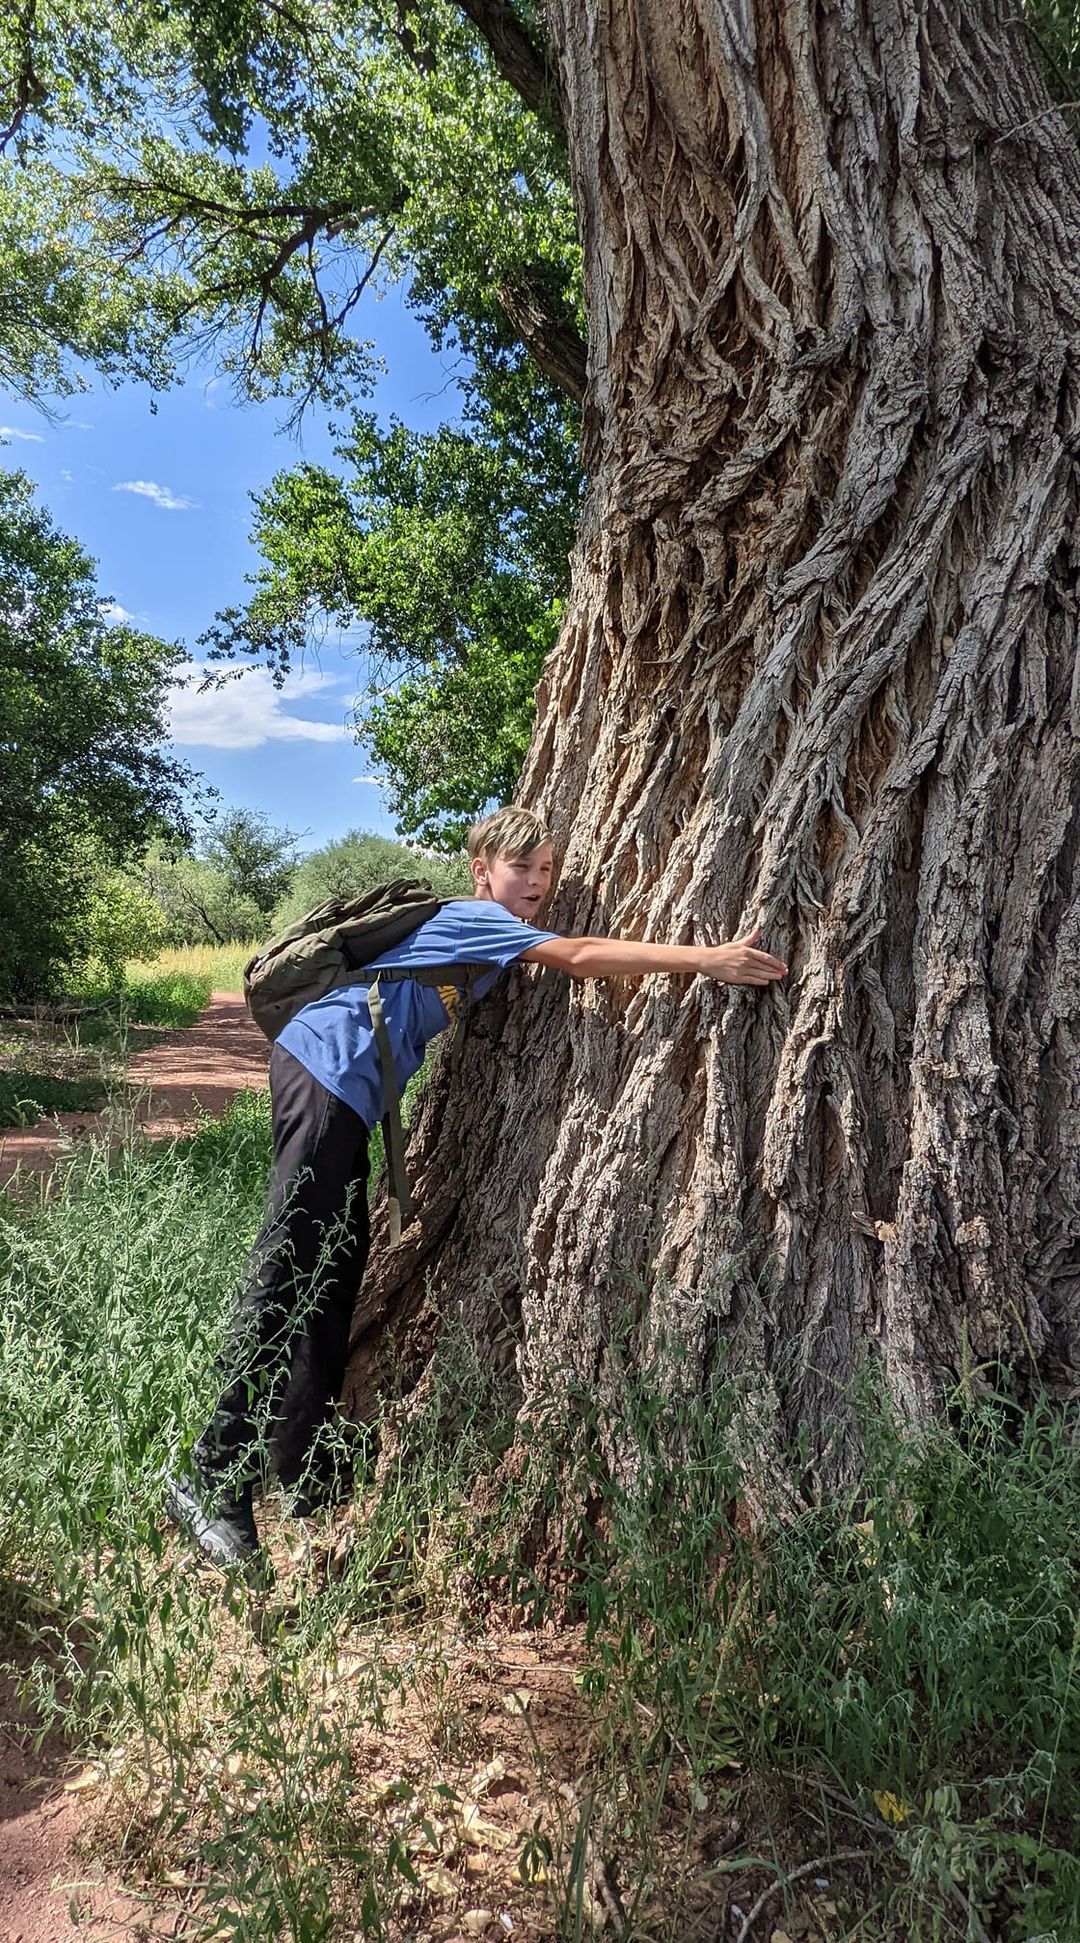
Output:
x,y
820,665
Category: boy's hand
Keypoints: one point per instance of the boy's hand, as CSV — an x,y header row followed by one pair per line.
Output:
x,y
739,964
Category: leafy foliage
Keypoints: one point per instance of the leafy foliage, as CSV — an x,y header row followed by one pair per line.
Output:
x,y
84,778
122,922
390,145
452,547
257,859
223,887
1055,30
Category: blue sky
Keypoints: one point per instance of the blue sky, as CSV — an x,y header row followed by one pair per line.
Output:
x,y
161,500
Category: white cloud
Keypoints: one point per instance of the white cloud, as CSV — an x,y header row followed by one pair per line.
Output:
x,y
162,496
13,432
376,782
67,477
111,610
250,711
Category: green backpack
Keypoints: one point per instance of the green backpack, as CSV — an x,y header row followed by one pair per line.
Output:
x,y
341,943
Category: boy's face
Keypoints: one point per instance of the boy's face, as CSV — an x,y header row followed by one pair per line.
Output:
x,y
520,884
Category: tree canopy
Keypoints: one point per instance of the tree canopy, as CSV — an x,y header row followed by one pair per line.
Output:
x,y
184,179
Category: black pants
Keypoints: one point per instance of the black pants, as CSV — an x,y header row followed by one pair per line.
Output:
x,y
283,1367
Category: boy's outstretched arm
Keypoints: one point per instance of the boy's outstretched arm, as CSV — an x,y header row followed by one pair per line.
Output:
x,y
738,963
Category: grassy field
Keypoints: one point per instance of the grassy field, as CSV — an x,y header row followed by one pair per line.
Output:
x,y
862,1722
173,988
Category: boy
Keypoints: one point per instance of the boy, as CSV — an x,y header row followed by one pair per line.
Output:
x,y
284,1363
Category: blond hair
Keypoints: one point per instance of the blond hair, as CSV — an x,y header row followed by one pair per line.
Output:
x,y
511,832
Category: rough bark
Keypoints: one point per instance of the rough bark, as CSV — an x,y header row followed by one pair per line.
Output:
x,y
820,665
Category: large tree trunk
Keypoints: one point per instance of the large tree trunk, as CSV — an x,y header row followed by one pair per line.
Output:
x,y
820,664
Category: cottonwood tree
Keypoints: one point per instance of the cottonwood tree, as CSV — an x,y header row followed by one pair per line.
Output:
x,y
818,665
819,668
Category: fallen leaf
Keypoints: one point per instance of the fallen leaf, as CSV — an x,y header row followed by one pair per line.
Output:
x,y
439,1882
475,1921
478,1833
487,1777
890,1807
518,1700
81,1783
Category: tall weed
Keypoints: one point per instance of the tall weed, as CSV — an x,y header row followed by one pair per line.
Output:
x,y
906,1649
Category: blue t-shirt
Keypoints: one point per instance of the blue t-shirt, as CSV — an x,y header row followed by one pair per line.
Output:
x,y
333,1038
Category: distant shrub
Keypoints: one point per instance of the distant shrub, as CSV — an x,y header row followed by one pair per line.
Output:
x,y
122,922
356,863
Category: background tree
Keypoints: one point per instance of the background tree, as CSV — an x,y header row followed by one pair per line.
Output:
x,y
394,149
453,548
223,885
358,861
85,777
257,859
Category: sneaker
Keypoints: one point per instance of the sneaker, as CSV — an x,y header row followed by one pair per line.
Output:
x,y
223,1529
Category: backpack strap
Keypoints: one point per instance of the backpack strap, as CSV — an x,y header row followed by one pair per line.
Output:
x,y
399,1200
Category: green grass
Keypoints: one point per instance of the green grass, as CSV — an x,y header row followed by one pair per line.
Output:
x,y
898,1662
219,967
168,991
890,1672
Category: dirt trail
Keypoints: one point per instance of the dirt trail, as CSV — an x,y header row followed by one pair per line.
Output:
x,y
40,1820
202,1066
199,1068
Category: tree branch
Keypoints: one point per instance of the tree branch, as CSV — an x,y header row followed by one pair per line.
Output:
x,y
517,57
333,216
552,343
29,91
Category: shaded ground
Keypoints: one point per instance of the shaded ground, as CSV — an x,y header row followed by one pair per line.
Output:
x,y
198,1068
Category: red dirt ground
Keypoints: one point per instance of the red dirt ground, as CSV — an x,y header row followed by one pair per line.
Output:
x,y
201,1067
